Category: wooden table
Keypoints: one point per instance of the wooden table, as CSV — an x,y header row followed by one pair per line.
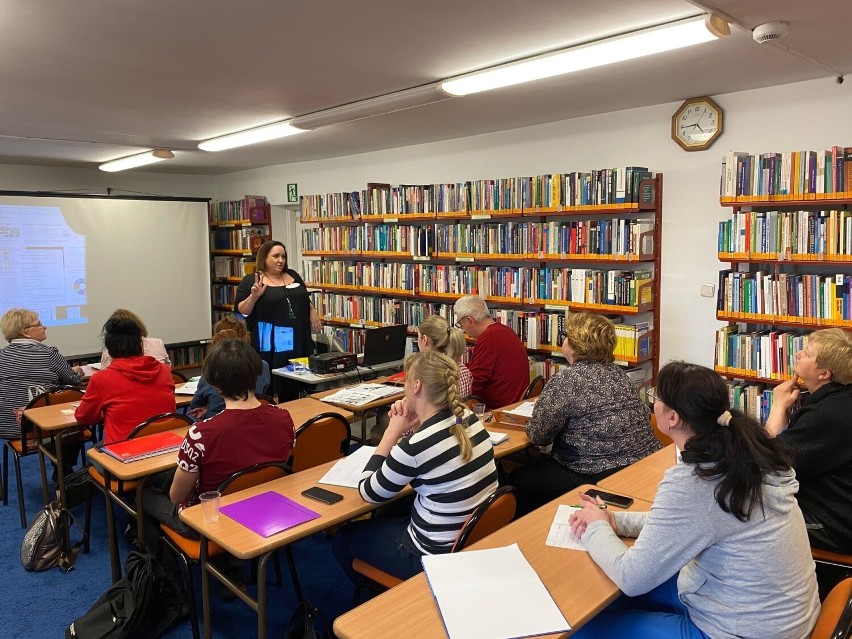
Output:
x,y
245,544
576,583
361,410
640,480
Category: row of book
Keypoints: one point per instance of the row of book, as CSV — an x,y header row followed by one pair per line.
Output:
x,y
600,187
396,276
246,238
223,294
768,354
803,235
620,238
187,356
226,266
251,208
795,175
370,310
810,299
755,400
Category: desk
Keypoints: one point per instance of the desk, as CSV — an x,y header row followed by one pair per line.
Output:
x,y
642,478
361,410
244,544
353,376
576,583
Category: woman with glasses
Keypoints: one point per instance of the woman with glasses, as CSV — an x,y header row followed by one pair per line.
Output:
x,y
279,314
589,412
27,368
724,552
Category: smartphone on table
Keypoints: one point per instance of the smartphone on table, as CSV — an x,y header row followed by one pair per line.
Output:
x,y
619,501
323,495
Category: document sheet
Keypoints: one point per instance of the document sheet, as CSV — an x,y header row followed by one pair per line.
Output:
x,y
560,534
492,594
524,410
347,471
362,394
497,438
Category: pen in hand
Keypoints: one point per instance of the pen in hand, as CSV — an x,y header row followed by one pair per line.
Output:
x,y
580,506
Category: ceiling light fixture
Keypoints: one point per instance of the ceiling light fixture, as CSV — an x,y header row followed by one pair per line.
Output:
x,y
667,37
251,136
388,103
133,161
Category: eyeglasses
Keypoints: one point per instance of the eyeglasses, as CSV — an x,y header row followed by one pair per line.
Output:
x,y
651,395
39,325
460,320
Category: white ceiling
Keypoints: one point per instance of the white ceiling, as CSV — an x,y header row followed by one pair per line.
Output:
x,y
86,81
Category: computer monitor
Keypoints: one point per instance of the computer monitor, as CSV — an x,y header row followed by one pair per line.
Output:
x,y
384,344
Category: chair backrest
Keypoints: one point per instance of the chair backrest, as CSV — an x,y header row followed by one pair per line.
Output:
x,y
61,394
490,516
178,377
254,476
835,618
535,387
265,399
159,424
664,439
319,440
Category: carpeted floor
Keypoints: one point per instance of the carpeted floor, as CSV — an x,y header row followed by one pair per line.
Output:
x,y
43,604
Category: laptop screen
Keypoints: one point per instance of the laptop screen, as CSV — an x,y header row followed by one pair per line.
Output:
x,y
384,344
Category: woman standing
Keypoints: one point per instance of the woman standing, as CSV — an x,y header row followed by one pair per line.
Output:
x,y
278,312
438,446
724,552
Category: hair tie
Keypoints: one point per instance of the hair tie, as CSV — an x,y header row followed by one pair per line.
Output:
x,y
724,419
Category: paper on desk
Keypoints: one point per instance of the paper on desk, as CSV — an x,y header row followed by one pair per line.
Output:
x,y
560,534
524,410
497,438
188,388
347,471
362,394
479,594
67,411
90,369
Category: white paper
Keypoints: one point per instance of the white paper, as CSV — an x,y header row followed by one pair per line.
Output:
x,y
362,394
67,411
96,366
90,369
524,410
560,534
480,592
188,388
497,438
347,471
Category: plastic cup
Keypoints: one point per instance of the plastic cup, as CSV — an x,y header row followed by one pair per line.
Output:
x,y
479,409
210,506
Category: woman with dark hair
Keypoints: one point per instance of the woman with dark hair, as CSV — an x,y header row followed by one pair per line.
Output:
x,y
278,312
724,552
133,388
152,346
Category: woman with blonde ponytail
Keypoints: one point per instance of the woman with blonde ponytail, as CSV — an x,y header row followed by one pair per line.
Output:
x,y
434,443
435,333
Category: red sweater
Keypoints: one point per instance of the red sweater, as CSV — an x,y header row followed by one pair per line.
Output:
x,y
124,395
500,366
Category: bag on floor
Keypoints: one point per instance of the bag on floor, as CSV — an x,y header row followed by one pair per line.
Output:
x,y
307,622
79,487
47,542
141,605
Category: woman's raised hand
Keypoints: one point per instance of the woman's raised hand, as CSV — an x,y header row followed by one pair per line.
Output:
x,y
259,286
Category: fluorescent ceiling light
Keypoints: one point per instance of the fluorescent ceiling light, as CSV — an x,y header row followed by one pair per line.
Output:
x,y
149,157
389,103
251,136
668,37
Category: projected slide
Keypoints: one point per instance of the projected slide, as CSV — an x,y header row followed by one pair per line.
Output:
x,y
42,264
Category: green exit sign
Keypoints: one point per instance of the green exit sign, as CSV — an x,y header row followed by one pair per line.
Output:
x,y
292,193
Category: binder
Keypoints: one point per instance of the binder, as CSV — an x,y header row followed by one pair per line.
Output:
x,y
268,513
143,447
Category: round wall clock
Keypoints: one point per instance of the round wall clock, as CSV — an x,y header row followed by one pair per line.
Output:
x,y
697,124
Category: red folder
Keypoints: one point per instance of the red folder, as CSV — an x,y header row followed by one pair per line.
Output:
x,y
142,447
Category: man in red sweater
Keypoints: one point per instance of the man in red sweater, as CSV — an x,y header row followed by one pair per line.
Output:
x,y
499,365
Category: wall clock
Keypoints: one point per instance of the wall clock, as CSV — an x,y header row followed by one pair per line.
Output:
x,y
697,124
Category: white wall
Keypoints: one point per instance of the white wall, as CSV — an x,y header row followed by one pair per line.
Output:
x,y
803,116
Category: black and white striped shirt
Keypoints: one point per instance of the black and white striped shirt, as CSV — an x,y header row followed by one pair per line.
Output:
x,y
27,367
448,489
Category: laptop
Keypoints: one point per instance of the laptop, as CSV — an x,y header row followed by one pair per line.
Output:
x,y
384,344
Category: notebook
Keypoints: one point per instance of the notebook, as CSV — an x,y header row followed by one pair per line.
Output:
x,y
384,344
143,447
268,513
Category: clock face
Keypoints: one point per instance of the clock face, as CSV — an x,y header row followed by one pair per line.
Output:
x,y
697,124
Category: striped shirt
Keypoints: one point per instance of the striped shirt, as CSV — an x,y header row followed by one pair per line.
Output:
x,y
28,367
448,489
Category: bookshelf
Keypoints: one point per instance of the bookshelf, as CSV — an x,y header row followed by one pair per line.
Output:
x,y
533,247
788,243
237,230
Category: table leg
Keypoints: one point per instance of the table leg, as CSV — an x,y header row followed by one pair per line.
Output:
x,y
60,468
261,594
43,468
204,560
112,537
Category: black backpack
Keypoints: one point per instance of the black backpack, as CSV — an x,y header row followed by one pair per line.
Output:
x,y
142,604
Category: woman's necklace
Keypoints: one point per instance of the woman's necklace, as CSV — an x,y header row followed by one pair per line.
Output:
x,y
277,283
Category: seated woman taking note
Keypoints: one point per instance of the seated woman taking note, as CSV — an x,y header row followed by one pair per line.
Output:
x,y
724,552
134,387
590,412
438,446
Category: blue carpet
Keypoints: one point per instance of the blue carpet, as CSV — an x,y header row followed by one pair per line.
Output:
x,y
43,604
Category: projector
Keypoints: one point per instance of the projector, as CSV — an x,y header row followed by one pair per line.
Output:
x,y
332,362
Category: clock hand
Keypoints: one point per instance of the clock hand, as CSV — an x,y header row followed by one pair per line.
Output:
x,y
698,127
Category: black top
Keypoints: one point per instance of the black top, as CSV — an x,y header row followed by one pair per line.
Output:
x,y
820,433
281,314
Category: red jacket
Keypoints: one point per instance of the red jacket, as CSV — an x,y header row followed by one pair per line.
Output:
x,y
500,366
124,395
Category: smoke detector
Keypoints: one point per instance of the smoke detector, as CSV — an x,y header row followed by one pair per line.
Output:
x,y
770,31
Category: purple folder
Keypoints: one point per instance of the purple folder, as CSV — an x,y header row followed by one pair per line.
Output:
x,y
268,513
